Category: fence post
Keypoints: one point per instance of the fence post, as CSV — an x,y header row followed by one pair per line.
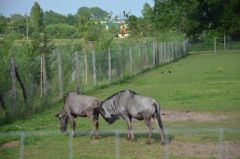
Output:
x,y
41,76
44,75
141,56
154,55
60,77
164,52
94,66
86,66
77,71
172,51
215,44
122,63
224,41
161,53
14,88
109,66
130,61
146,54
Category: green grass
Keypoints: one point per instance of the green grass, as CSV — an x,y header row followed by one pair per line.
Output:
x,y
200,83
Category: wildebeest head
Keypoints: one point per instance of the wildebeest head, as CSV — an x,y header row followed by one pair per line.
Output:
x,y
107,115
63,119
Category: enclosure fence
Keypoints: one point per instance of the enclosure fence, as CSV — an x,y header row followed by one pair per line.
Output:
x,y
214,44
36,82
114,143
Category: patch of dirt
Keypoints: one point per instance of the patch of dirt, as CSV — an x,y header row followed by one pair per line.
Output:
x,y
10,144
227,150
196,116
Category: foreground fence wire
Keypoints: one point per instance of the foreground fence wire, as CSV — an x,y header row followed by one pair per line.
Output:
x,y
115,138
46,78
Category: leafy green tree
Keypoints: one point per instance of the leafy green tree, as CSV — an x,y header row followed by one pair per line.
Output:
x,y
98,13
36,17
18,23
83,15
70,19
51,17
3,24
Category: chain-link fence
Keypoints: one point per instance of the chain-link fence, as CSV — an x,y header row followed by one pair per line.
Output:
x,y
33,83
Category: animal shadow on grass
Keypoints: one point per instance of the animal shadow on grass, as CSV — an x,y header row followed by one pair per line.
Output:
x,y
155,136
122,135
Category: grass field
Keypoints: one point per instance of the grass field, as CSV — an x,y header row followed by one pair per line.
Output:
x,y
200,108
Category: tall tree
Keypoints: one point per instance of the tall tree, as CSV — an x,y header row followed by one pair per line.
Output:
x,y
36,17
51,17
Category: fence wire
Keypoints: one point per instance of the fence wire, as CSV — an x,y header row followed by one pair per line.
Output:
x,y
46,78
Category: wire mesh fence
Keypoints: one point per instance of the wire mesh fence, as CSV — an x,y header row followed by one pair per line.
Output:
x,y
215,44
33,83
112,144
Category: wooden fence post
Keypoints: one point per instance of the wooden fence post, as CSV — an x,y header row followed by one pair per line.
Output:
x,y
161,53
77,71
172,51
154,54
109,66
44,75
141,56
14,88
60,76
146,55
122,63
41,76
130,61
86,66
94,66
225,42
215,44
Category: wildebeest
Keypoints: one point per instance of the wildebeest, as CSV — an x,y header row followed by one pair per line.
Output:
x,y
128,104
79,105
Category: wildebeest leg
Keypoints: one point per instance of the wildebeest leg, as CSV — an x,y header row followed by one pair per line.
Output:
x,y
94,129
159,123
148,123
73,125
130,133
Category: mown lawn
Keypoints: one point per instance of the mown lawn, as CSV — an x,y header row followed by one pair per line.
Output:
x,y
204,83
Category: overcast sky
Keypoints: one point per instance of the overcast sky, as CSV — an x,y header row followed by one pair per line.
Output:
x,y
8,7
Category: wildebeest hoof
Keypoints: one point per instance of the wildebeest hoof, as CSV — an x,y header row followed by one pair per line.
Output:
x,y
97,137
148,142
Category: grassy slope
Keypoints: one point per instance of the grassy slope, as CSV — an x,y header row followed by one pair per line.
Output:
x,y
204,82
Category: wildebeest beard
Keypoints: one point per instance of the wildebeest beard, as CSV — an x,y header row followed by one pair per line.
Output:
x,y
112,119
109,120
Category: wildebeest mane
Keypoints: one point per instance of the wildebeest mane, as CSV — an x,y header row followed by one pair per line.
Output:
x,y
131,91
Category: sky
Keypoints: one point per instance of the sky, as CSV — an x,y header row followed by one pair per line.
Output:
x,y
8,7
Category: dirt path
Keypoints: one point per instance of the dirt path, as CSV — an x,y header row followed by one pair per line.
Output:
x,y
196,116
227,150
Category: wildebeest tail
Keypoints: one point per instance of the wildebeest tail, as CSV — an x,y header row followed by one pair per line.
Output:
x,y
157,114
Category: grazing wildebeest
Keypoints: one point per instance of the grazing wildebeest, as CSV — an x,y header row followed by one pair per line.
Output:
x,y
128,104
79,105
